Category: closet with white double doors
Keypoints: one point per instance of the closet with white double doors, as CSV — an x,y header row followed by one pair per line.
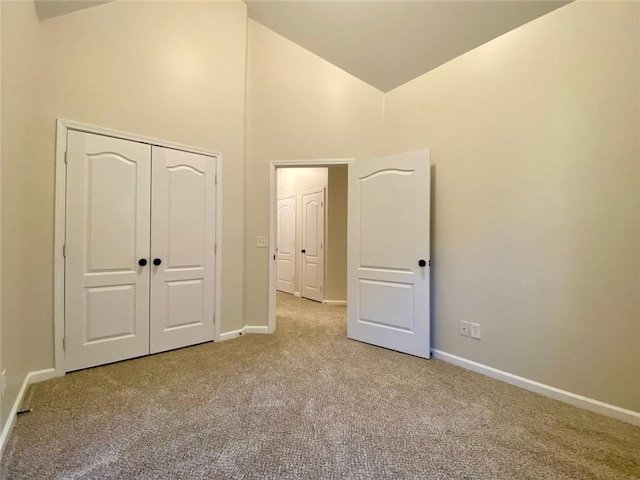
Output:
x,y
139,249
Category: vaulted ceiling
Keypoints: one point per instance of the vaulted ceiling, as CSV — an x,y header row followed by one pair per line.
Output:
x,y
388,43
384,43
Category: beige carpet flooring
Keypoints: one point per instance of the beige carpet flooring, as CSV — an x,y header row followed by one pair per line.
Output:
x,y
305,403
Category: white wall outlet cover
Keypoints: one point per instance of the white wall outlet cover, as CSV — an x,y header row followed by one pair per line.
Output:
x,y
475,331
262,241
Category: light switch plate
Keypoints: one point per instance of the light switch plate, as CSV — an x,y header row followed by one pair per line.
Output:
x,y
262,241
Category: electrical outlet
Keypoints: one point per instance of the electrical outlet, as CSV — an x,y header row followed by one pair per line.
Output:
x,y
464,329
3,382
475,331
262,241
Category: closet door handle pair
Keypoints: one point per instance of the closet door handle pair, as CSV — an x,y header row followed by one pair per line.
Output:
x,y
143,262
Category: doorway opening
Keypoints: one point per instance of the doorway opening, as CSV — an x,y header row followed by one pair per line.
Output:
x,y
308,233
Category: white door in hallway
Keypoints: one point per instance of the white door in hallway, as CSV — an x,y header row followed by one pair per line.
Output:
x,y
107,234
183,219
388,252
312,253
285,249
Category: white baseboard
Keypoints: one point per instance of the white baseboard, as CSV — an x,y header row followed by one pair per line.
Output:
x,y
336,302
31,377
256,329
248,329
230,335
574,399
42,375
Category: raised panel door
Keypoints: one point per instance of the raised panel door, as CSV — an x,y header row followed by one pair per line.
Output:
x,y
107,234
182,249
388,231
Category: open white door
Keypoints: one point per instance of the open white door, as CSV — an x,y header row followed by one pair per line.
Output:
x,y
313,246
286,235
388,252
107,250
182,266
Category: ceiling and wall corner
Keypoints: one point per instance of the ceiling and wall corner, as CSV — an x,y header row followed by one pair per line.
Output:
x,y
383,43
54,8
388,43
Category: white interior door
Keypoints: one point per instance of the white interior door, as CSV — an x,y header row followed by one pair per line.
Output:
x,y
286,234
388,252
107,234
313,245
182,249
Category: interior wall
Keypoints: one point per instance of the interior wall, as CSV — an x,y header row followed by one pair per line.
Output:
x,y
296,181
336,234
298,107
536,216
20,95
170,70
2,417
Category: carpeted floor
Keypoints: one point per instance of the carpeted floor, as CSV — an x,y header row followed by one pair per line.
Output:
x,y
305,403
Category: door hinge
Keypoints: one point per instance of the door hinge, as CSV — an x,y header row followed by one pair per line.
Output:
x,y
64,250
65,157
215,248
216,179
320,288
64,344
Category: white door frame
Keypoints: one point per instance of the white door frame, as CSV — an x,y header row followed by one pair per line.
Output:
x,y
63,126
273,207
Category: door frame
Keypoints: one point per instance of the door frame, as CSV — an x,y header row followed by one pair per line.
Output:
x,y
60,224
273,207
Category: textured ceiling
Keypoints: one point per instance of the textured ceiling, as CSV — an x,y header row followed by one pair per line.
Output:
x,y
388,43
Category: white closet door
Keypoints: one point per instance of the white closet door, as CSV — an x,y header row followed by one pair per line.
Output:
x,y
182,250
285,266
106,290
313,245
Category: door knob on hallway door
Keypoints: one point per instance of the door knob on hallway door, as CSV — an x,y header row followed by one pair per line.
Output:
x,y
142,262
157,261
422,263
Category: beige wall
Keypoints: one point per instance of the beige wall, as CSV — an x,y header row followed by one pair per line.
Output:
x,y
170,70
336,234
536,226
298,107
20,96
296,181
2,416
